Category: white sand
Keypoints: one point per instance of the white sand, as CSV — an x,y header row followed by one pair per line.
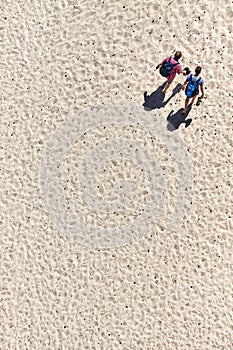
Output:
x,y
165,291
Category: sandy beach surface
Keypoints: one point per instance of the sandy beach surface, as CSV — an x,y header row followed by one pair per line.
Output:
x,y
143,286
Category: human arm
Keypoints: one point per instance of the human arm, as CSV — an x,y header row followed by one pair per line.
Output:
x,y
185,71
159,65
184,85
202,91
187,80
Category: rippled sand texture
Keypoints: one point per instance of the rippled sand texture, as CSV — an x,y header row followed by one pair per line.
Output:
x,y
165,291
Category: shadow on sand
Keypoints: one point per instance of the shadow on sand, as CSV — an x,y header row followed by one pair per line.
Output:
x,y
175,120
156,99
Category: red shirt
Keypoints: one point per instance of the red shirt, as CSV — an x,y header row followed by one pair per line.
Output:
x,y
175,70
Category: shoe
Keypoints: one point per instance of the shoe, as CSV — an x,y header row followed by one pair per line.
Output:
x,y
198,101
188,122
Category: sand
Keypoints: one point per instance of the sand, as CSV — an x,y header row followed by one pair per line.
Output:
x,y
162,290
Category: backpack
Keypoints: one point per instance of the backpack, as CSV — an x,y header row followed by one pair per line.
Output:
x,y
166,68
192,87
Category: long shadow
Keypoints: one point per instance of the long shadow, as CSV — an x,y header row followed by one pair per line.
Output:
x,y
175,120
156,99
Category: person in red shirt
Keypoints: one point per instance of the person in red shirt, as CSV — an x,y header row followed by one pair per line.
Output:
x,y
177,69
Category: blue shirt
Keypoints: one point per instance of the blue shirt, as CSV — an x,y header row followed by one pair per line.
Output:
x,y
195,78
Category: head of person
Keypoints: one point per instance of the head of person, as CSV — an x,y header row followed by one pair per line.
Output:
x,y
177,55
197,70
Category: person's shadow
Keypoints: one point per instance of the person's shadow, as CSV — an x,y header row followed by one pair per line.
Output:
x,y
156,99
175,120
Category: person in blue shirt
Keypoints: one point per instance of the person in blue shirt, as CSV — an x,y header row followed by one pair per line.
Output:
x,y
191,87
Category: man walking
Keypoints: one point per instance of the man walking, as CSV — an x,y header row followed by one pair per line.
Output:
x,y
169,67
191,87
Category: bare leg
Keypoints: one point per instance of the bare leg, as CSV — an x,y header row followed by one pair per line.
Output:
x,y
186,105
168,83
193,99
